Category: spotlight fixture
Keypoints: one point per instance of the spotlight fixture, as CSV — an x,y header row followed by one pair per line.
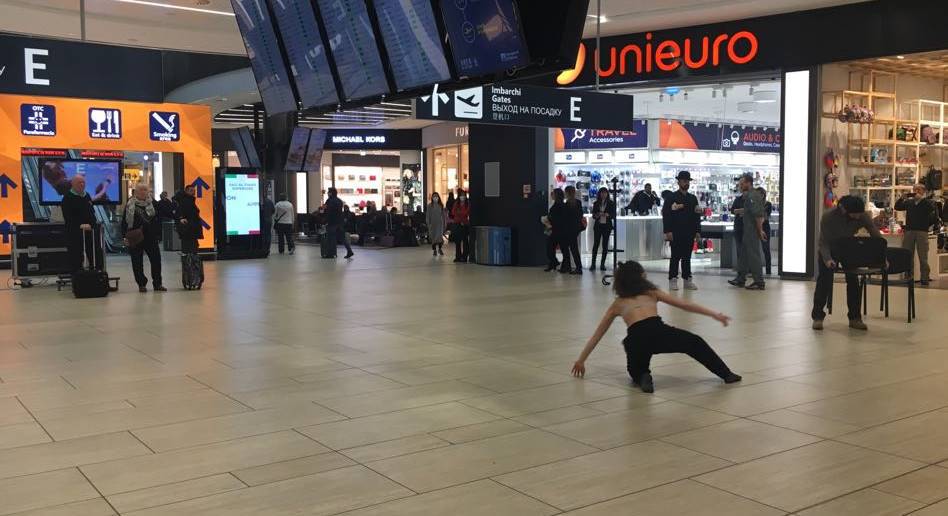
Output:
x,y
714,93
686,95
751,92
661,97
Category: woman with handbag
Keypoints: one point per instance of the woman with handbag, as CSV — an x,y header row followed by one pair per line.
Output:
x,y
142,229
460,233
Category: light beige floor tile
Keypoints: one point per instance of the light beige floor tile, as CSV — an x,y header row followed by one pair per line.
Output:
x,y
574,483
84,409
555,416
230,381
23,434
938,509
292,468
642,424
922,438
444,467
383,427
404,398
867,502
628,401
395,448
481,431
573,392
740,440
110,392
810,475
11,412
352,382
44,490
805,423
322,494
927,485
680,498
234,426
163,468
38,458
140,417
95,507
481,498
177,492
517,380
762,397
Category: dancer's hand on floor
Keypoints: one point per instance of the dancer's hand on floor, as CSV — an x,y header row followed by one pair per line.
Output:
x,y
721,318
579,369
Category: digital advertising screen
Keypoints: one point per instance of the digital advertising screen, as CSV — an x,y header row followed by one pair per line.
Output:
x,y
266,60
354,49
486,36
296,156
242,204
306,52
102,179
414,49
314,152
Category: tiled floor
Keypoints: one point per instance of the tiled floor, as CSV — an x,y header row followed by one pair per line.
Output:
x,y
399,385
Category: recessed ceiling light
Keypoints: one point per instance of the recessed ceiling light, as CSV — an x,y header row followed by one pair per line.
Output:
x,y
900,57
172,6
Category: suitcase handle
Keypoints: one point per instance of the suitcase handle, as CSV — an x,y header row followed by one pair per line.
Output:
x,y
88,237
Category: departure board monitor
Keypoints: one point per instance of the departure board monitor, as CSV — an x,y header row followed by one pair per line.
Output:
x,y
266,60
305,51
486,36
354,49
414,48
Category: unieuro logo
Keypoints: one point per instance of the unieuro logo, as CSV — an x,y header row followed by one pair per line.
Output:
x,y
668,55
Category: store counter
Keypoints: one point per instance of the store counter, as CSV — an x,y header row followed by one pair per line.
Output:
x,y
641,237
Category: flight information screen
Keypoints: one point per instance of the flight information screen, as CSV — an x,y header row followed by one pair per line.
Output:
x,y
486,36
354,48
306,52
266,61
410,34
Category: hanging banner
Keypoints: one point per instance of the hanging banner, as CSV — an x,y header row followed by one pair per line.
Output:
x,y
673,134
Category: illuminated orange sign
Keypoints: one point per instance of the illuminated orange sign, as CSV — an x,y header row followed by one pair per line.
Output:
x,y
41,126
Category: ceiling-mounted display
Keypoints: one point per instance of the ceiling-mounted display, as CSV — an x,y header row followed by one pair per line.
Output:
x,y
266,59
354,48
305,52
486,36
414,48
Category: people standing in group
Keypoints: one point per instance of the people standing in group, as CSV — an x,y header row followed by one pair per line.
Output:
x,y
166,208
435,219
335,220
644,200
920,215
568,220
603,215
267,209
844,221
284,215
681,222
141,228
80,221
765,245
461,215
190,228
550,230
750,256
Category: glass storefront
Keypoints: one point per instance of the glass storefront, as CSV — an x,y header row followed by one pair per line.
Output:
x,y
449,169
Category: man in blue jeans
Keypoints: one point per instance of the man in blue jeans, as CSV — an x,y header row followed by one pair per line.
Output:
x,y
841,222
335,219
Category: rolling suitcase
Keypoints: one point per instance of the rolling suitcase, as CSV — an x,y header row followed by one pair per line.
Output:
x,y
192,271
90,282
327,245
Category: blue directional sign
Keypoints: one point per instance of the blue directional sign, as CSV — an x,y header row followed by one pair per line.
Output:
x,y
200,185
164,126
38,119
5,228
5,184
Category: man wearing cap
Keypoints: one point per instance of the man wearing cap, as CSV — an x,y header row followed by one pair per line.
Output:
x,y
681,220
749,258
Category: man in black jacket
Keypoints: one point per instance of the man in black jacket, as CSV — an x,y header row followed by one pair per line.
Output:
x,y
643,201
80,220
920,216
681,221
335,220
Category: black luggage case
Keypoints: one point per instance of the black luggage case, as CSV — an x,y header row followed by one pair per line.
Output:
x,y
327,245
192,271
91,281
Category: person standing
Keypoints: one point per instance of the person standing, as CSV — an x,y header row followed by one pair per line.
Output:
x,y
461,215
435,221
549,229
190,228
266,222
765,245
141,228
335,220
681,221
80,220
283,218
603,213
449,204
572,226
165,208
737,209
644,200
844,221
749,258
920,216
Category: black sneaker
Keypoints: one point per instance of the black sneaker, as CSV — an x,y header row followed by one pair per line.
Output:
x,y
350,255
577,271
732,378
602,267
142,289
645,383
735,282
755,286
160,288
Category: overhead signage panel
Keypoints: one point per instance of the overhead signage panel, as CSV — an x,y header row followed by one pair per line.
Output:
x,y
354,48
637,138
528,106
306,53
414,48
266,59
717,137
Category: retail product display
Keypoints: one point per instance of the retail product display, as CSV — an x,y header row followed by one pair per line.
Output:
x,y
854,114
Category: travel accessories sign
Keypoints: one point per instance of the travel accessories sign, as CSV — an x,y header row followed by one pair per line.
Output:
x,y
528,106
